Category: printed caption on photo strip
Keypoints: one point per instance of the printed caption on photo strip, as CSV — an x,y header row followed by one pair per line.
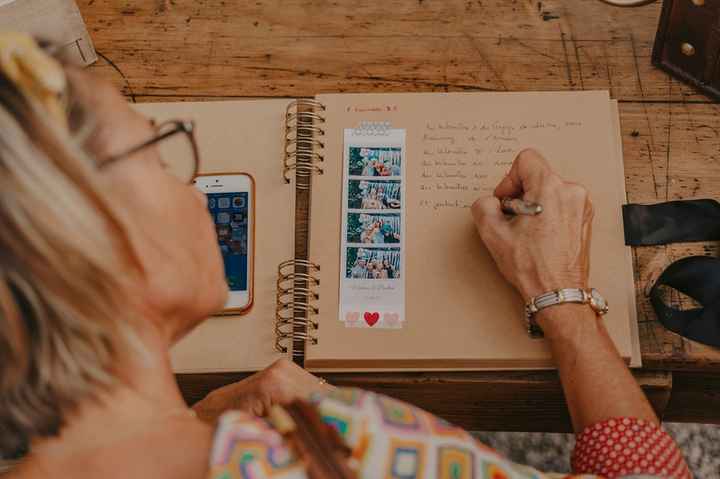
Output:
x,y
372,269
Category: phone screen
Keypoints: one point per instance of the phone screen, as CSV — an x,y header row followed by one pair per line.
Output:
x,y
230,214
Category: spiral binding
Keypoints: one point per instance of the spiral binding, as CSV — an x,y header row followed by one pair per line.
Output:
x,y
295,311
303,130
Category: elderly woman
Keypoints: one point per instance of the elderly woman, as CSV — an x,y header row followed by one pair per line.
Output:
x,y
91,301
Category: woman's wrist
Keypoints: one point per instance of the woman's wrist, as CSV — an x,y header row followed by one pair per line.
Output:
x,y
568,322
537,284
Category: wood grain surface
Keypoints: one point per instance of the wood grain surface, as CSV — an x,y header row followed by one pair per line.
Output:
x,y
165,50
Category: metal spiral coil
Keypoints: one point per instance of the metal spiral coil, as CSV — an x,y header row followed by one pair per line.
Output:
x,y
295,311
303,130
306,293
298,262
293,278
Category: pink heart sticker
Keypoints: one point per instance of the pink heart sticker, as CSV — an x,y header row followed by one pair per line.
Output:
x,y
352,317
371,318
391,319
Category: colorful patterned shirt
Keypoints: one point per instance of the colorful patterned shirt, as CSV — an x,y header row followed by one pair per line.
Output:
x,y
394,440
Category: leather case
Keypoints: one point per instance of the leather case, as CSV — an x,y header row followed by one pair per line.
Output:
x,y
687,44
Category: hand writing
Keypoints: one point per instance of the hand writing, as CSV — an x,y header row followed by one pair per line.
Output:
x,y
540,253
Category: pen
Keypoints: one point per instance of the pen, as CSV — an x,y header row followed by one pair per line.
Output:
x,y
516,206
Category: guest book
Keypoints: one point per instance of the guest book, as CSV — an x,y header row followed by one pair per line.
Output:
x,y
366,252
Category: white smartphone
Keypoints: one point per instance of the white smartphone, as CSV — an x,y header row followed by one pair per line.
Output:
x,y
231,203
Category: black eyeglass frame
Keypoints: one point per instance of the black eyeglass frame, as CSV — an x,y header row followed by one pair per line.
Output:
x,y
185,127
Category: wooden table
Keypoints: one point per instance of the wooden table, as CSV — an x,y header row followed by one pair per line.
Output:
x,y
164,50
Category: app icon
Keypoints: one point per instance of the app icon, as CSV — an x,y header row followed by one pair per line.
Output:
x,y
223,232
223,203
239,202
211,203
236,247
223,218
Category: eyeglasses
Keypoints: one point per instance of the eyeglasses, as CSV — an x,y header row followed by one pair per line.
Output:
x,y
178,149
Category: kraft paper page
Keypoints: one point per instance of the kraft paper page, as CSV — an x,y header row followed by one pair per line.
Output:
x,y
636,356
241,136
460,312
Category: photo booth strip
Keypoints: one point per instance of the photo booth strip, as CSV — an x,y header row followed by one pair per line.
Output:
x,y
372,269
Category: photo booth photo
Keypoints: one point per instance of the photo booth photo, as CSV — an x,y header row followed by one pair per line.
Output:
x,y
367,161
374,195
373,228
376,263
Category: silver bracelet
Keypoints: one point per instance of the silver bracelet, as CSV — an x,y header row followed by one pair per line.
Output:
x,y
590,297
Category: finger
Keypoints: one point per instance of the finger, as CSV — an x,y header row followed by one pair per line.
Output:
x,y
589,210
587,239
527,172
488,215
587,232
508,188
317,385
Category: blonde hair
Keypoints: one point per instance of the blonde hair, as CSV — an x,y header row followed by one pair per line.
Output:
x,y
61,252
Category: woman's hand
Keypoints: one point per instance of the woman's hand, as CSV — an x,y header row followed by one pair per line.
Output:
x,y
550,251
280,383
539,253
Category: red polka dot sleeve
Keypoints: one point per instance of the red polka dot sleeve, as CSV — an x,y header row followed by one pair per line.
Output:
x,y
624,446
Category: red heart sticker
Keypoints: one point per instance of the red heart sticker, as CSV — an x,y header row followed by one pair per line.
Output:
x,y
371,318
